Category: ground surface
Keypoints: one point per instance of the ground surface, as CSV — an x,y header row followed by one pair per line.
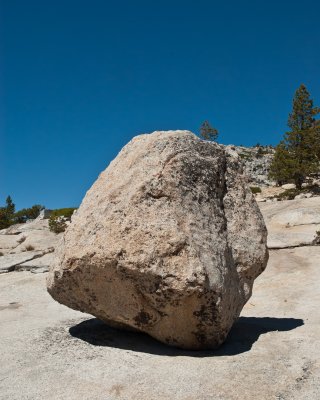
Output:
x,y
51,352
292,222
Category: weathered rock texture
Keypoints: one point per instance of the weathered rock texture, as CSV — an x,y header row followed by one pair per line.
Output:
x,y
167,241
27,246
292,223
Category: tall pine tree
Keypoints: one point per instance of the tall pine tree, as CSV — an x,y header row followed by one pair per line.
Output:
x,y
281,167
7,213
296,157
10,207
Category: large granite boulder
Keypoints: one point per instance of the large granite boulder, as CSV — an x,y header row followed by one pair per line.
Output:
x,y
167,241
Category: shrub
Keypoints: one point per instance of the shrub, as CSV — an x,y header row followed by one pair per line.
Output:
x,y
1,254
260,153
207,132
290,194
29,247
28,213
57,224
245,156
63,212
4,220
58,218
255,189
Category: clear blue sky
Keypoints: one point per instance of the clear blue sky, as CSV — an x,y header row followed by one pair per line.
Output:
x,y
79,79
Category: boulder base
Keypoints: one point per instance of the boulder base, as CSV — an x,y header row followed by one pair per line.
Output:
x,y
167,241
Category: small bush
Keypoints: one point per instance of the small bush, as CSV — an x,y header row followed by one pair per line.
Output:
x,y
23,215
1,254
63,212
290,194
245,156
255,189
259,153
58,218
29,247
57,224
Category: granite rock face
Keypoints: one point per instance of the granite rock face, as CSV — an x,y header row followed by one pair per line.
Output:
x,y
292,223
27,246
167,241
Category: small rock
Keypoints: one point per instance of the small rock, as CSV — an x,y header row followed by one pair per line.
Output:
x,y
300,196
288,186
40,270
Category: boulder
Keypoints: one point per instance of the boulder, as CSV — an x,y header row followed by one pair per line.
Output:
x,y
168,241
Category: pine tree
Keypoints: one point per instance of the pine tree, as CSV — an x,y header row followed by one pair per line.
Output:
x,y
281,167
296,156
4,220
207,132
317,139
7,214
10,207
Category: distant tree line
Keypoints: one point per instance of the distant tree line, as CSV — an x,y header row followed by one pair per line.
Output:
x,y
298,154
57,221
9,216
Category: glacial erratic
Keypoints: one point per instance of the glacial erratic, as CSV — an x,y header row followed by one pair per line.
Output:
x,y
167,241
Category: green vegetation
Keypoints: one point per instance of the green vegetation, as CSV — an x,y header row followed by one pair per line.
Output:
x,y
255,189
57,224
8,215
58,218
63,212
245,156
290,194
10,207
207,132
4,220
298,154
262,151
28,213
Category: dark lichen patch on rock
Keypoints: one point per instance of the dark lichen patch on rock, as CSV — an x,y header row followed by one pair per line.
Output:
x,y
143,318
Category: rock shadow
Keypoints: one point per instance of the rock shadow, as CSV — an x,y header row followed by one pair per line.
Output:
x,y
243,335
